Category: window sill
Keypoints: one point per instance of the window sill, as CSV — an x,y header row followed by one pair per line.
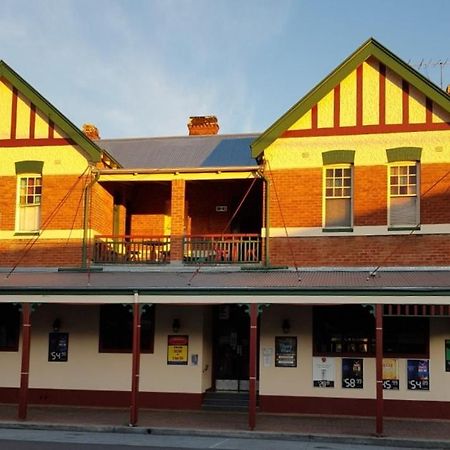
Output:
x,y
406,228
338,230
27,233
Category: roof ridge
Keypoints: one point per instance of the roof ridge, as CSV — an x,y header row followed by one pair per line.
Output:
x,y
142,138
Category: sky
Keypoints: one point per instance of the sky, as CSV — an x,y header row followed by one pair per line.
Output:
x,y
138,68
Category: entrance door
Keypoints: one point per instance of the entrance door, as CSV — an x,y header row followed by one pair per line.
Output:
x,y
231,348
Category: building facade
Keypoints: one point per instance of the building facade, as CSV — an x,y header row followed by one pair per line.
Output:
x,y
306,266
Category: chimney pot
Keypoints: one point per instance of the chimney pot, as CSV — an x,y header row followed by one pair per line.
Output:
x,y
203,125
91,131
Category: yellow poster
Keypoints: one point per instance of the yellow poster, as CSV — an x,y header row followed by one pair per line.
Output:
x,y
390,374
177,350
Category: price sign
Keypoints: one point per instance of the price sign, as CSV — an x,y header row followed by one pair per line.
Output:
x,y
58,347
390,374
324,370
285,351
418,375
352,373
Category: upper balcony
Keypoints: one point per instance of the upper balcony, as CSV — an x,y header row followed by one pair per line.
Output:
x,y
197,249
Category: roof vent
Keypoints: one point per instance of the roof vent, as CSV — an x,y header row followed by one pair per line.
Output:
x,y
91,131
203,125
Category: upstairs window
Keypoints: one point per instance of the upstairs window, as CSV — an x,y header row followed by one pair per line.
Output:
x,y
338,197
29,203
403,198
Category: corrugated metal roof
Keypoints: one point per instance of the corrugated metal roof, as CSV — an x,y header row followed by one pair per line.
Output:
x,y
183,151
351,280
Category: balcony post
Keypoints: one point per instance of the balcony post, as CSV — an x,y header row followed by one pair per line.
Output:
x,y
25,365
177,221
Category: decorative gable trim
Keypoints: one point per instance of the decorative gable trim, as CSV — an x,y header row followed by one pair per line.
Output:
x,y
75,135
338,157
403,154
368,49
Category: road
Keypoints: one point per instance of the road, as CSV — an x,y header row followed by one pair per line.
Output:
x,y
22,439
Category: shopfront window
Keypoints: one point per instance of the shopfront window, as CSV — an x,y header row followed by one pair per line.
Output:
x,y
350,331
9,327
116,329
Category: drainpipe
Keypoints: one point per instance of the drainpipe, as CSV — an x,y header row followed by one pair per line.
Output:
x,y
266,216
87,196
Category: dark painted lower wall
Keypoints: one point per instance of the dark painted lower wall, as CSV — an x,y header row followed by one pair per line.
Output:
x,y
158,400
353,407
267,403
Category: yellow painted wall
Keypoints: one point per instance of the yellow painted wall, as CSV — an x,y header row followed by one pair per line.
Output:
x,y
371,97
58,160
86,368
5,109
325,111
348,101
298,381
306,152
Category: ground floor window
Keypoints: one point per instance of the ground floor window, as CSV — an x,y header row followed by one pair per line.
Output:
x,y
350,331
116,329
9,327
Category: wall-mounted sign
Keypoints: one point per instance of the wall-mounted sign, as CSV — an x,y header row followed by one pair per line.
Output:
x,y
447,355
58,347
285,351
418,374
390,374
352,373
177,350
324,371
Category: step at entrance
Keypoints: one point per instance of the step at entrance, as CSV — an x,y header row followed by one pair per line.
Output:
x,y
225,401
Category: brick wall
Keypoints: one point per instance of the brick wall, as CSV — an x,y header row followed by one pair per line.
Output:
x,y
346,251
101,215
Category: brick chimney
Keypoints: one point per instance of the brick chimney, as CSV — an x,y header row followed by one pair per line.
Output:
x,y
203,125
91,131
448,89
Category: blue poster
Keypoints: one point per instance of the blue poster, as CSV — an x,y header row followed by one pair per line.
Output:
x,y
418,375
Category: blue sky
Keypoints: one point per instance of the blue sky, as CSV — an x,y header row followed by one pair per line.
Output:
x,y
141,68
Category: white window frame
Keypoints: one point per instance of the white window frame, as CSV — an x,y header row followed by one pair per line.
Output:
x,y
326,197
406,186
35,204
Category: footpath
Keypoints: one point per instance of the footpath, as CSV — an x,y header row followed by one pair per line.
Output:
x,y
408,433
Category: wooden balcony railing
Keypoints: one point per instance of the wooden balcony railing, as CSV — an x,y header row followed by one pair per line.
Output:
x,y
113,249
222,249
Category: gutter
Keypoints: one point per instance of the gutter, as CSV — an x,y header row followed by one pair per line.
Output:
x,y
176,170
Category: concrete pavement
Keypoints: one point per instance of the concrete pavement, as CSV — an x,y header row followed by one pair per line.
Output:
x,y
410,433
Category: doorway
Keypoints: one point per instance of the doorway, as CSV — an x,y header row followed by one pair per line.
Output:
x,y
231,348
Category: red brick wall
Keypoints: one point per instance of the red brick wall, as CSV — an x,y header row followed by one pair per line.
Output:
x,y
101,216
43,253
296,197
405,250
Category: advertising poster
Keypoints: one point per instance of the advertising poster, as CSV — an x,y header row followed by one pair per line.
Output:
x,y
58,347
177,350
324,372
447,355
352,373
285,351
390,374
418,374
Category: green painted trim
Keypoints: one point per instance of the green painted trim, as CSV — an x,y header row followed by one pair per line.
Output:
x,y
29,167
226,292
337,230
403,154
411,228
369,48
338,157
92,150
